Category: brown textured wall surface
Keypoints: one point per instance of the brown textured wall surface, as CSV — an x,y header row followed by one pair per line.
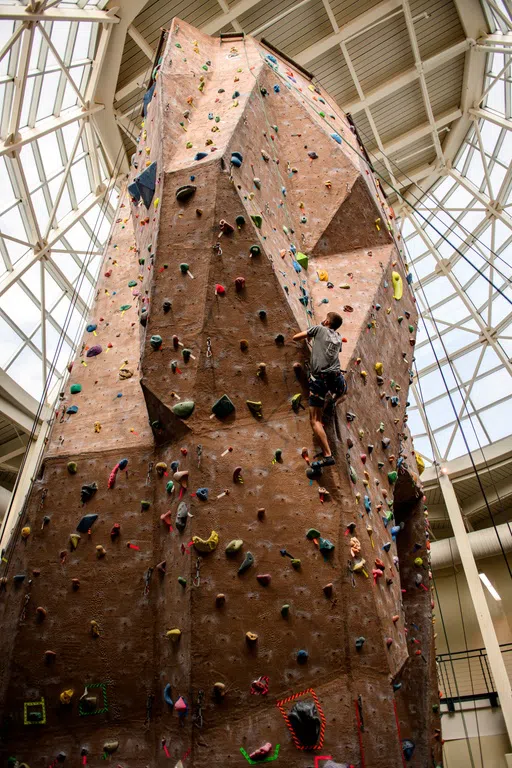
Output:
x,y
314,196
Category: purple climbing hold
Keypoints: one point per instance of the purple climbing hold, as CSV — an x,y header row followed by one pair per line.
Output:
x,y
94,351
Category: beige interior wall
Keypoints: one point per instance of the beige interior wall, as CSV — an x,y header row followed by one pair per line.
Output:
x,y
455,625
456,754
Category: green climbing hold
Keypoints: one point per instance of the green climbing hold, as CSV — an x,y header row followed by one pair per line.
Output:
x,y
145,505
257,220
302,259
125,307
184,409
255,250
392,477
297,402
72,467
312,534
295,563
240,221
325,545
182,581
132,284
285,610
255,407
75,389
169,487
352,474
156,341
223,407
234,546
184,267
411,329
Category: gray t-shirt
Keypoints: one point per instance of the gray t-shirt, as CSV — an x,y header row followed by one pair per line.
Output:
x,y
326,349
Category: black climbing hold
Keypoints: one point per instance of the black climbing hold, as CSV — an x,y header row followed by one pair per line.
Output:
x,y
408,748
279,339
88,492
255,250
240,221
360,641
185,192
223,407
313,472
247,562
181,516
262,314
86,523
305,721
167,305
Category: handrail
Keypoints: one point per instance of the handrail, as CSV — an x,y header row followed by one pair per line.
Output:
x,y
467,674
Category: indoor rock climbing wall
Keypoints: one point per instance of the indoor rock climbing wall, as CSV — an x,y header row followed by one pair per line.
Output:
x,y
179,589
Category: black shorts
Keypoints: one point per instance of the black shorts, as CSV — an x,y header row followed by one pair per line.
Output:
x,y
322,383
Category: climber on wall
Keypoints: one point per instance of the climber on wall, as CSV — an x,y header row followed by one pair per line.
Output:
x,y
325,377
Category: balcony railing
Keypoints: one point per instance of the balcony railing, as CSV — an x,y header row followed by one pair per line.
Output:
x,y
466,675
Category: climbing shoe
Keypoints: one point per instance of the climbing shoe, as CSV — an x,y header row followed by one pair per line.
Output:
x,y
326,461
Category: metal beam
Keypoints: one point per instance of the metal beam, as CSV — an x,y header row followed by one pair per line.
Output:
x,y
22,13
416,134
348,30
504,217
476,591
238,9
16,405
502,122
64,226
405,78
48,125
141,41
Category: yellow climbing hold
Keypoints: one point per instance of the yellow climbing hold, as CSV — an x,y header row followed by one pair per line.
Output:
x,y
173,634
156,202
379,369
420,463
66,696
398,286
25,532
322,275
206,545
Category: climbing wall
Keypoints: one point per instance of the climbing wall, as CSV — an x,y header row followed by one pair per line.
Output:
x,y
178,587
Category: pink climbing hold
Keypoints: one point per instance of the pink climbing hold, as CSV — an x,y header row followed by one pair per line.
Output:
x,y
363,458
262,752
239,284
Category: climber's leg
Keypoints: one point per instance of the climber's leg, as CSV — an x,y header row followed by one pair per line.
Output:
x,y
317,391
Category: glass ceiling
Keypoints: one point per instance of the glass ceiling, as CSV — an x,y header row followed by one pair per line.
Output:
x,y
468,320
59,201
54,181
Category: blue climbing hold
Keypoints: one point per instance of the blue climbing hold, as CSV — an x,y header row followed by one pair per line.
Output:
x,y
367,504
409,278
167,695
86,523
134,190
200,156
92,327
72,409
202,494
271,58
146,182
123,463
276,89
302,656
336,137
175,465
297,267
236,159
387,546
408,748
147,98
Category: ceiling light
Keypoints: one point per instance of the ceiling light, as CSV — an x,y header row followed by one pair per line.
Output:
x,y
485,580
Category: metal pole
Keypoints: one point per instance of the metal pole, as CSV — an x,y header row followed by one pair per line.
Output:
x,y
477,594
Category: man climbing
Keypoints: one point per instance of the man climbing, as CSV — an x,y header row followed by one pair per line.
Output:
x,y
325,377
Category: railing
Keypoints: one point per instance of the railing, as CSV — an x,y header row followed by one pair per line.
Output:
x,y
467,674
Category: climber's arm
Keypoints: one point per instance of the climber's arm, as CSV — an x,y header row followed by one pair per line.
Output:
x,y
300,336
